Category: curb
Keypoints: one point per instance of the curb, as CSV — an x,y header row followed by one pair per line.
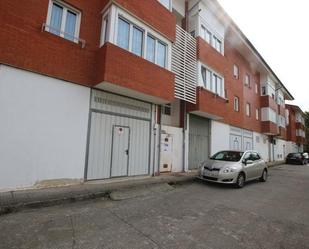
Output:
x,y
88,194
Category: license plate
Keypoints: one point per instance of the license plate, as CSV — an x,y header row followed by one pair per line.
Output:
x,y
210,173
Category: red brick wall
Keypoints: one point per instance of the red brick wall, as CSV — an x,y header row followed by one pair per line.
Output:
x,y
22,44
291,128
267,101
234,87
269,127
128,70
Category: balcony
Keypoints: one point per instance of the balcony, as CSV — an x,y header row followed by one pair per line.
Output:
x,y
282,133
267,101
299,126
281,110
125,73
208,55
153,13
269,128
208,105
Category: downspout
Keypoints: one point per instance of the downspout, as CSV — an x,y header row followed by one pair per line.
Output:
x,y
184,136
155,141
159,138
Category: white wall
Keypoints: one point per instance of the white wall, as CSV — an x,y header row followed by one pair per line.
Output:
x,y
210,20
220,137
260,144
179,6
177,147
43,128
173,119
280,150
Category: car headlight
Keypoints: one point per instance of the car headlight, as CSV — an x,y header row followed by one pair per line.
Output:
x,y
229,170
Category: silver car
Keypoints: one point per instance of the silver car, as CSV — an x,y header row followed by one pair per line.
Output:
x,y
234,167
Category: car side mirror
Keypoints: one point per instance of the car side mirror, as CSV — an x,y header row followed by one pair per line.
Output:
x,y
246,162
249,162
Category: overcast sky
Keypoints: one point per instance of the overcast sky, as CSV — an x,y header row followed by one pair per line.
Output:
x,y
280,32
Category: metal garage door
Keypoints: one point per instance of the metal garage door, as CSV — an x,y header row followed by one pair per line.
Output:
x,y
199,130
119,137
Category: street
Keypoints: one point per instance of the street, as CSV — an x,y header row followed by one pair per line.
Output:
x,y
271,215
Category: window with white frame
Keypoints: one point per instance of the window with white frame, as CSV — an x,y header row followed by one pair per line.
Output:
x,y
212,81
167,109
132,38
257,114
218,84
63,20
236,104
211,38
206,35
217,44
247,80
105,28
248,109
236,71
256,88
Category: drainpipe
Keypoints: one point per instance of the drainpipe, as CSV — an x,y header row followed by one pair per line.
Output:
x,y
159,138
184,137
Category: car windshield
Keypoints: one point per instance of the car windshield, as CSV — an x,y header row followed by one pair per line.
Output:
x,y
228,156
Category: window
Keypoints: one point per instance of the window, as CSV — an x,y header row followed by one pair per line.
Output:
x,y
123,34
105,30
248,109
256,88
151,48
130,37
161,54
211,39
167,109
206,75
206,34
137,41
247,80
212,81
166,3
156,51
257,114
236,71
217,44
63,21
264,90
236,104
255,156
218,85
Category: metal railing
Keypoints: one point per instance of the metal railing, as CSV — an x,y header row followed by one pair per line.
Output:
x,y
61,33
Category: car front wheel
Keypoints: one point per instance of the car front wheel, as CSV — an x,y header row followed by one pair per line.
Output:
x,y
264,176
240,180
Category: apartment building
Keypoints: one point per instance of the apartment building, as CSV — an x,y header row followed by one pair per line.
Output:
x,y
295,128
107,89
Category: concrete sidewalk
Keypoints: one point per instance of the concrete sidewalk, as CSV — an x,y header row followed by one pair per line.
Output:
x,y
13,201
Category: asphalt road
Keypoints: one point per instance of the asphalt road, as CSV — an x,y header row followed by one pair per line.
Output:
x,y
270,215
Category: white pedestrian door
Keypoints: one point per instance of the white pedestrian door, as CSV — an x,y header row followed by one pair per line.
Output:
x,y
120,151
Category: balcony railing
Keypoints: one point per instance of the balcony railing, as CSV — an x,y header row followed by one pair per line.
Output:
x,y
61,33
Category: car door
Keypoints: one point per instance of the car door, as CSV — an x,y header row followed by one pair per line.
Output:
x,y
258,164
249,168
